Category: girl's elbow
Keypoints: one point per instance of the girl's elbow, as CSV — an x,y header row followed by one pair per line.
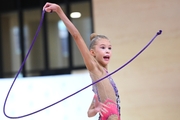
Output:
x,y
75,35
91,113
88,114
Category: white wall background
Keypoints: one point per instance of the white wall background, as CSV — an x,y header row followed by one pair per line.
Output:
x,y
33,93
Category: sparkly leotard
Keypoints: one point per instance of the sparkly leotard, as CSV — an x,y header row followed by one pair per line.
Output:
x,y
115,91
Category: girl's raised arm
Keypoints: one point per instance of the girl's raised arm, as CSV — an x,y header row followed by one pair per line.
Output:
x,y
88,59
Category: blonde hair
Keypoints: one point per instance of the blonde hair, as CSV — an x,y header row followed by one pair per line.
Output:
x,y
94,37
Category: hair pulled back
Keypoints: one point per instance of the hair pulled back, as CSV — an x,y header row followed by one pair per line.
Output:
x,y
94,37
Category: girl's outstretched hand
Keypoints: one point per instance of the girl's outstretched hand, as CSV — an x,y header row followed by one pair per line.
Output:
x,y
99,106
51,7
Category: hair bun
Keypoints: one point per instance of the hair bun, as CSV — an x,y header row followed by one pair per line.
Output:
x,y
93,35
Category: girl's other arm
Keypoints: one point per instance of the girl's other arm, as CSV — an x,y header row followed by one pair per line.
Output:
x,y
91,111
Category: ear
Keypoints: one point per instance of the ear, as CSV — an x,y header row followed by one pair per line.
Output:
x,y
92,52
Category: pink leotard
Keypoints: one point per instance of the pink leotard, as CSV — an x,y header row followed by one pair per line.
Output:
x,y
114,107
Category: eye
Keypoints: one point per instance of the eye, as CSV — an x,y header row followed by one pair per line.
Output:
x,y
102,47
109,48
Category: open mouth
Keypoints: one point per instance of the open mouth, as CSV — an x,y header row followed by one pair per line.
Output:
x,y
106,57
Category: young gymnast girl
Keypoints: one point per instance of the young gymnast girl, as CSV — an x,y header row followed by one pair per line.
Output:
x,y
96,59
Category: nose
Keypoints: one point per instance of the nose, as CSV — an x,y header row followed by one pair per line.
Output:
x,y
107,50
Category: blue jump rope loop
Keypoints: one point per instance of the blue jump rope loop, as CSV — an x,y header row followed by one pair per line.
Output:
x,y
41,21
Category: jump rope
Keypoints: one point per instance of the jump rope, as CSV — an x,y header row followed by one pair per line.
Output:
x,y
36,34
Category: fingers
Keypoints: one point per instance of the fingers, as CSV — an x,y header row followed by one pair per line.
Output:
x,y
104,108
103,111
101,114
104,105
48,7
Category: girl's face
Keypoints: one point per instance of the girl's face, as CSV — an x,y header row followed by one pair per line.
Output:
x,y
102,51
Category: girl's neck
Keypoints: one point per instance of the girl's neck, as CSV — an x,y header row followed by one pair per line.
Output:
x,y
105,68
